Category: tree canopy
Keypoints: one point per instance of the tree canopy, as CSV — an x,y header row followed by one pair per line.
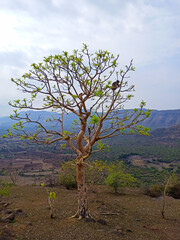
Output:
x,y
80,83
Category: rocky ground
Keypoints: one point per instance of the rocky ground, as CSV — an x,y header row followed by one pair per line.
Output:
x,y
131,215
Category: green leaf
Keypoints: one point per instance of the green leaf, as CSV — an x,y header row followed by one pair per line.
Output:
x,y
94,119
52,195
63,146
4,136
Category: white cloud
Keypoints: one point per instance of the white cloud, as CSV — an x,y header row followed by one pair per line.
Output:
x,y
145,30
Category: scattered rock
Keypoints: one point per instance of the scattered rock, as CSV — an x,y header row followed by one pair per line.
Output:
x,y
8,211
29,223
8,217
128,230
90,220
5,205
18,210
117,230
102,221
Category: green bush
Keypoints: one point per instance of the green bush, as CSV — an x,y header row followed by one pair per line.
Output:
x,y
96,172
117,177
67,175
154,191
68,181
4,189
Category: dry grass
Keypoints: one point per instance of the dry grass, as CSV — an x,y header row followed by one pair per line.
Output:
x,y
131,215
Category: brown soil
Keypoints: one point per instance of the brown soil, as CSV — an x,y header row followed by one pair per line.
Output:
x,y
131,215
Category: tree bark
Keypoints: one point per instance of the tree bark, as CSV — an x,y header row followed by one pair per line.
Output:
x,y
82,211
164,198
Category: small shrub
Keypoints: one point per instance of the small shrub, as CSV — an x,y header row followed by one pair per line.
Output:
x,y
4,189
51,180
67,176
68,181
51,199
168,187
154,191
96,172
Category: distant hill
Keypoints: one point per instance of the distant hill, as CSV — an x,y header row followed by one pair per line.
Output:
x,y
171,132
6,122
158,119
161,146
170,136
162,119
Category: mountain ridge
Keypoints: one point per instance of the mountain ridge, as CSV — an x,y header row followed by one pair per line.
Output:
x,y
157,119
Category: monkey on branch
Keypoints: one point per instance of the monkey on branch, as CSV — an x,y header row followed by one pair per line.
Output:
x,y
115,85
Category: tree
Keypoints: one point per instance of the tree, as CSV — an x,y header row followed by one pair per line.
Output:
x,y
79,83
170,179
117,177
13,174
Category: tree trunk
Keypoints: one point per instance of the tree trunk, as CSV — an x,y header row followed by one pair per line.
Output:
x,y
164,198
164,203
82,211
115,189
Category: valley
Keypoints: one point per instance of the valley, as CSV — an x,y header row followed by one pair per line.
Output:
x,y
140,154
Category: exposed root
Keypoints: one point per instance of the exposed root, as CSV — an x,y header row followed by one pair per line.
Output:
x,y
76,215
87,217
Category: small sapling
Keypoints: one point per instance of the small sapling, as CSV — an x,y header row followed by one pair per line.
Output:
x,y
51,199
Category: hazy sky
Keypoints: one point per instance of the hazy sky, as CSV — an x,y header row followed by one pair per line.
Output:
x,y
146,30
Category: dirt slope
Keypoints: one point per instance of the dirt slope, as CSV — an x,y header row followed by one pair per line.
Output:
x,y
128,216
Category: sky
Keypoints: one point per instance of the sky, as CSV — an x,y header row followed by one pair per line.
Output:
x,y
147,31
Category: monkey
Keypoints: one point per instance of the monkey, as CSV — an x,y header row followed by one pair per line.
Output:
x,y
115,85
80,96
